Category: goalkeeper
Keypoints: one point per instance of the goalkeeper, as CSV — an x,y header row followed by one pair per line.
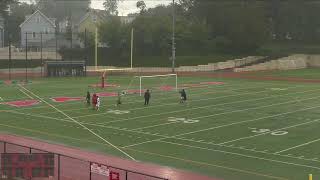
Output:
x,y
183,96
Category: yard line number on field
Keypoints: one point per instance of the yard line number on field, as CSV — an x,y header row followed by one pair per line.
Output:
x,y
274,133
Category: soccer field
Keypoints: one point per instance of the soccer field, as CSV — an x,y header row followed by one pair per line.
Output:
x,y
233,129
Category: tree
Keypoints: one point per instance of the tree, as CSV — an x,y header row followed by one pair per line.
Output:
x,y
61,9
4,6
111,7
17,16
142,6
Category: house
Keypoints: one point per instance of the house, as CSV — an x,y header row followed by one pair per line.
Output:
x,y
1,32
90,21
35,26
92,18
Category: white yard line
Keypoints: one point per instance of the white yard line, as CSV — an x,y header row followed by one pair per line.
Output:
x,y
227,125
154,126
261,134
243,155
26,94
139,101
246,149
75,121
220,97
200,107
294,147
159,135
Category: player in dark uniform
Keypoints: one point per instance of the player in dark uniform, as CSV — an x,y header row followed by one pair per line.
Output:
x,y
88,98
147,97
183,96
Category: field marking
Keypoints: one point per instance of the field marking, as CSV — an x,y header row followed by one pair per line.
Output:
x,y
261,134
294,147
167,136
153,135
75,121
185,160
243,155
128,130
138,101
199,107
154,126
128,97
91,124
177,103
226,125
209,164
26,94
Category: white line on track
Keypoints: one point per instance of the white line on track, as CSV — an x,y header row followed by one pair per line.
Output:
x,y
75,121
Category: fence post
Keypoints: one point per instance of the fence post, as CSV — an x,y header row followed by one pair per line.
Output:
x,y
41,54
9,56
26,56
90,171
85,52
126,175
56,45
5,147
58,166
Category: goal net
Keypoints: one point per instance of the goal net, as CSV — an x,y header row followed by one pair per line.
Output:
x,y
156,83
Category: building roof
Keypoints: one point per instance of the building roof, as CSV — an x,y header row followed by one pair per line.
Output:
x,y
50,20
99,13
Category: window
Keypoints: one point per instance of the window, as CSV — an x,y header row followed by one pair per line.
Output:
x,y
38,19
94,18
7,159
36,172
33,35
19,172
48,172
49,160
22,158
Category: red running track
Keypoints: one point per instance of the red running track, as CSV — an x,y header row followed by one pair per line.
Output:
x,y
74,163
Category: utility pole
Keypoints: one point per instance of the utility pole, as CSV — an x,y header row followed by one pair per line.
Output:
x,y
26,56
173,37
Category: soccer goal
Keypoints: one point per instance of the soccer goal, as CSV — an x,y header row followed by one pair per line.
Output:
x,y
163,81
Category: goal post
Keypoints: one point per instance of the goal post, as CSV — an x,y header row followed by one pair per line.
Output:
x,y
154,76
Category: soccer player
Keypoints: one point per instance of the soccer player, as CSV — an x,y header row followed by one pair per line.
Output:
x,y
98,103
94,100
183,96
119,99
147,97
88,98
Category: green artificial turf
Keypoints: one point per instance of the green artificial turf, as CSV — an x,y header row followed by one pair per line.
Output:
x,y
240,130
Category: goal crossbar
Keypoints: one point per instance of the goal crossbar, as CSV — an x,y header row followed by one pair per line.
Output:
x,y
152,76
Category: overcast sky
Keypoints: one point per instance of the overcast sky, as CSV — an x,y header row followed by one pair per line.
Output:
x,y
129,6
125,6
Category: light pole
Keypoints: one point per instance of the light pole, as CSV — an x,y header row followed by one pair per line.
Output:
x,y
173,37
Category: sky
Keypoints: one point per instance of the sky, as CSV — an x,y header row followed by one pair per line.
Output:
x,y
125,6
129,6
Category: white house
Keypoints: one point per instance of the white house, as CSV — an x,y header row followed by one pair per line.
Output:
x,y
35,26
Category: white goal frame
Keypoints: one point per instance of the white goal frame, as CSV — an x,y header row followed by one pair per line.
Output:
x,y
162,75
